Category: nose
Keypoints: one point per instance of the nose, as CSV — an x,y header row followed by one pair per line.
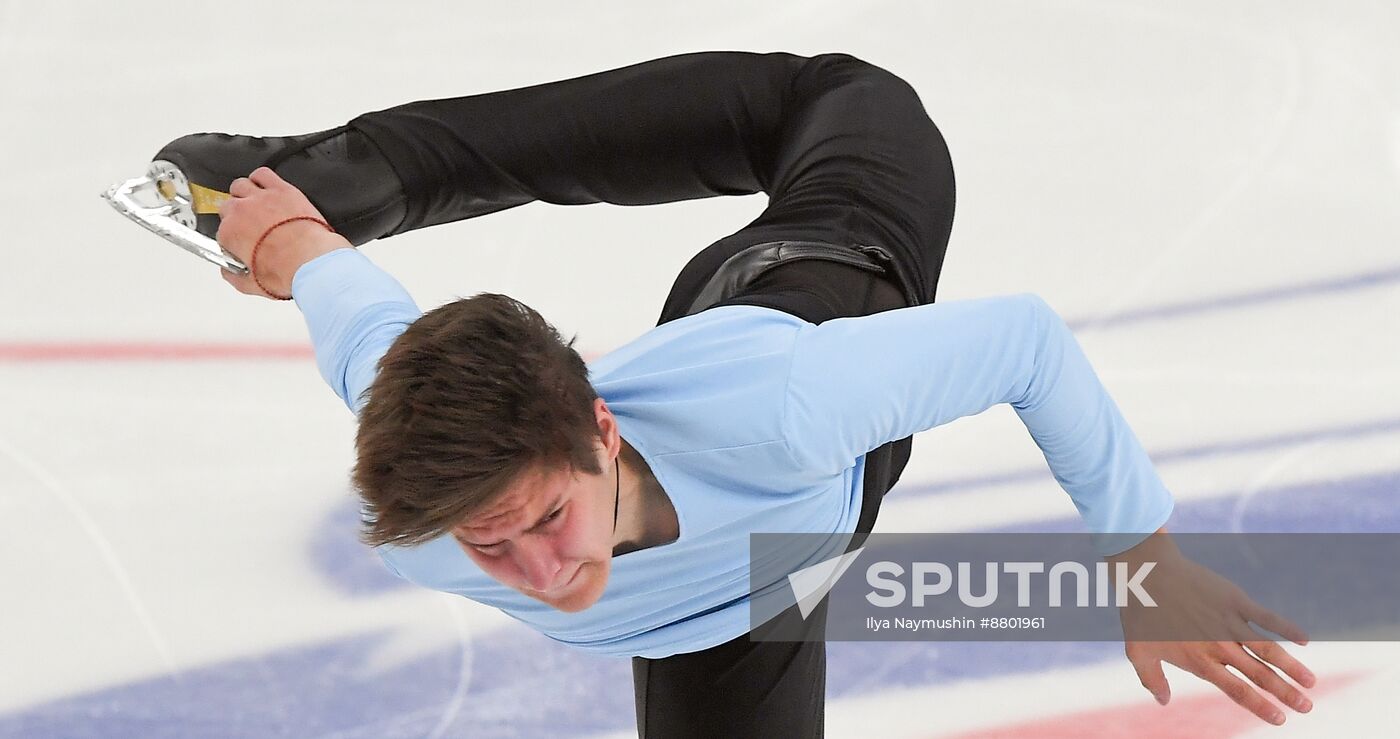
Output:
x,y
538,564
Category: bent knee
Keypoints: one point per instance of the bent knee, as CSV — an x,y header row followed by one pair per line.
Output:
x,y
839,69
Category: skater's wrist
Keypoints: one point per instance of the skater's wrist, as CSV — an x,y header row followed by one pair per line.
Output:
x,y
1157,547
298,243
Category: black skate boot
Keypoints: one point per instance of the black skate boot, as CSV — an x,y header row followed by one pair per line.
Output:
x,y
339,170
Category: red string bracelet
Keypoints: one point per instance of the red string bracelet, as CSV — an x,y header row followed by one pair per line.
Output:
x,y
253,258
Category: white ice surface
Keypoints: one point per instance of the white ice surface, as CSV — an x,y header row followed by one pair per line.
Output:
x,y
1111,156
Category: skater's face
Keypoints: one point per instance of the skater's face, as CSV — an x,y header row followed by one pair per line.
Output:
x,y
550,535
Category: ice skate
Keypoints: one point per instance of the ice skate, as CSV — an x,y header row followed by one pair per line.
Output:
x,y
339,170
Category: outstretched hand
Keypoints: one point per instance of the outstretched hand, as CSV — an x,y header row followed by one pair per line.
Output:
x,y
256,203
1194,601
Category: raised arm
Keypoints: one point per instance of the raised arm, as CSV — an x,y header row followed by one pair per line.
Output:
x,y
353,309
857,383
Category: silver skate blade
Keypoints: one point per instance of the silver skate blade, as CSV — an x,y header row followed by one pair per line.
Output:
x,y
141,200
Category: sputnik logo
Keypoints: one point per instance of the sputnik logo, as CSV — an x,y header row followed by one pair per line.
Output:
x,y
811,584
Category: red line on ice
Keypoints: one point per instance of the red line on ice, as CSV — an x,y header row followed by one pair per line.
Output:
x,y
1210,714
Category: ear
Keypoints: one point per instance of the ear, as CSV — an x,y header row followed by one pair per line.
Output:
x,y
609,436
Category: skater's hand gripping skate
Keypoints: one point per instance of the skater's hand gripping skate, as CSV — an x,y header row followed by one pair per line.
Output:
x,y
256,204
1195,606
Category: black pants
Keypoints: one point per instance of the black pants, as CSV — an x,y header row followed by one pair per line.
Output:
x,y
861,193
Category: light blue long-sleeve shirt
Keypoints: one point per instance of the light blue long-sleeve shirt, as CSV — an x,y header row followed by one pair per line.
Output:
x,y
754,420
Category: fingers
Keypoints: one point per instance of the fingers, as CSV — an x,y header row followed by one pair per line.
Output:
x,y
1274,654
242,187
1274,622
1241,693
1149,672
233,278
242,283
1262,675
265,177
261,178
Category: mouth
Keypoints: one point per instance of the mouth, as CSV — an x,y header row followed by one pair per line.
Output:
x,y
558,588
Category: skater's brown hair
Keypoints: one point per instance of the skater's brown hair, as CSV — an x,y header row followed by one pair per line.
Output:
x,y
470,396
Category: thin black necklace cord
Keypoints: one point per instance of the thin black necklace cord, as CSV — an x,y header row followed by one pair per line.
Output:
x,y
617,494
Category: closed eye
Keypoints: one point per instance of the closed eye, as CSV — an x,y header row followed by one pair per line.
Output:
x,y
488,549
494,549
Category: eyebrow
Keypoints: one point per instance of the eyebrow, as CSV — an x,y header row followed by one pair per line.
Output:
x,y
549,511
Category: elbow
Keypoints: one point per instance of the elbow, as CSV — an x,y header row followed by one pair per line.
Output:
x,y
1040,309
1050,328
1041,329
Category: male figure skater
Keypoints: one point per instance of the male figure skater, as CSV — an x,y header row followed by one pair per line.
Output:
x,y
609,506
